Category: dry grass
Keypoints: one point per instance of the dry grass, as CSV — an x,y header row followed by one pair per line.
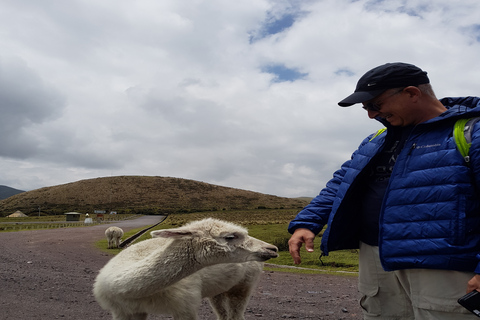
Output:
x,y
141,194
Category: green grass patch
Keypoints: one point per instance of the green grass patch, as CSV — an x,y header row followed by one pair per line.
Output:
x,y
103,243
41,218
345,260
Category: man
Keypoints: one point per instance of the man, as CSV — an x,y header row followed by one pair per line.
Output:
x,y
406,198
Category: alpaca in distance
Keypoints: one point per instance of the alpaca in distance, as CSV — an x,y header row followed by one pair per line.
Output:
x,y
114,237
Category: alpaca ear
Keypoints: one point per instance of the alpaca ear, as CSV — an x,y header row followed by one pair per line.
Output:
x,y
171,233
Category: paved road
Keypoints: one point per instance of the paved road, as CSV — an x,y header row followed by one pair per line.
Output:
x,y
48,274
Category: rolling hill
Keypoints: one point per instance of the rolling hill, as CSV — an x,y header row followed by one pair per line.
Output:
x,y
141,194
6,192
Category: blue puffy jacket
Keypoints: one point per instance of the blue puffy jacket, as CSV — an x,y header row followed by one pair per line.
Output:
x,y
430,216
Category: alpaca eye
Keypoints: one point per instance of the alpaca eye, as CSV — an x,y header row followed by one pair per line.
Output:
x,y
231,237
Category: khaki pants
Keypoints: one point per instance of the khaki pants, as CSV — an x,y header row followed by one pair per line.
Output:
x,y
413,294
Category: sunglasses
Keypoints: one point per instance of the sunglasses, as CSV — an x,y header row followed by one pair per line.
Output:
x,y
375,106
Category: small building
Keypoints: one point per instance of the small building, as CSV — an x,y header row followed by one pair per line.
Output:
x,y
17,214
73,216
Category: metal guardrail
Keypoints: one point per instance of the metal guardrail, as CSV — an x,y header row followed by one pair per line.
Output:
x,y
125,243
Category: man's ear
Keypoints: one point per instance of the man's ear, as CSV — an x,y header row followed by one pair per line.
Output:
x,y
413,93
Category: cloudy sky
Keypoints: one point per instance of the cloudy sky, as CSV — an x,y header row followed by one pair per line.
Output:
x,y
235,93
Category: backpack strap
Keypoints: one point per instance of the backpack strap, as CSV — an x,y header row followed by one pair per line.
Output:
x,y
379,132
462,134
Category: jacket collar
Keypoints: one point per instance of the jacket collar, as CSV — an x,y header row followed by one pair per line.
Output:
x,y
458,107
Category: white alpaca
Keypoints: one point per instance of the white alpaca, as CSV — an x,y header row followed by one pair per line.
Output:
x,y
114,236
173,271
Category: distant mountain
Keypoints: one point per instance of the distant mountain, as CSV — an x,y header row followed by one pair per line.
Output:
x,y
6,192
142,194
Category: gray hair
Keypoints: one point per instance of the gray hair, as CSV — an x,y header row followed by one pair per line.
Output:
x,y
427,90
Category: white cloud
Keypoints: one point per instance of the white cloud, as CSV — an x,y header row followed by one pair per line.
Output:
x,y
176,88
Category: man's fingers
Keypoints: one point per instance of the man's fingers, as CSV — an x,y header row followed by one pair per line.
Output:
x,y
299,237
309,244
294,247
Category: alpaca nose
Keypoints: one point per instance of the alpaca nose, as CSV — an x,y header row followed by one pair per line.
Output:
x,y
273,248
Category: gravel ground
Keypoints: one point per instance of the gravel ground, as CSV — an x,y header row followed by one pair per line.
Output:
x,y
48,274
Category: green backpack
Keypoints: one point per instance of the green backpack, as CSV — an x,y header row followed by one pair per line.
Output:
x,y
462,134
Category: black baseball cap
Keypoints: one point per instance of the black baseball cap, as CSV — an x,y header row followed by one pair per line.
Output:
x,y
384,77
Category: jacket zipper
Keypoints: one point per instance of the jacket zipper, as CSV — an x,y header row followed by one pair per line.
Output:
x,y
380,218
414,145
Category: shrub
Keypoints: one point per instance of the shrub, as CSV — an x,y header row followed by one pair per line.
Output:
x,y
281,243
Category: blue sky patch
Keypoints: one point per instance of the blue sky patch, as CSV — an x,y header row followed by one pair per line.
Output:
x,y
278,25
476,31
274,24
282,73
